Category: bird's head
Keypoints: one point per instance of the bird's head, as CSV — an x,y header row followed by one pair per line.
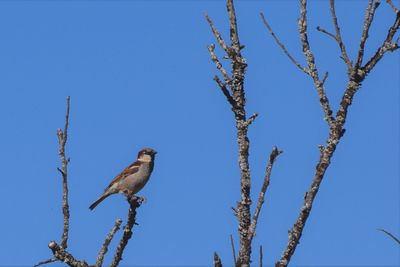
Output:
x,y
146,154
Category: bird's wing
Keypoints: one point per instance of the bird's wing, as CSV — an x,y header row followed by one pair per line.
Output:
x,y
131,169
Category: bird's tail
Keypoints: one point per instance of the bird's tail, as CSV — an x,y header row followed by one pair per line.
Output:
x,y
97,202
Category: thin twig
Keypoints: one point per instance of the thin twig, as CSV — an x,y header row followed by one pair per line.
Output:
x,y
214,58
62,140
274,154
251,119
396,10
325,77
335,37
45,262
107,241
369,17
391,235
225,91
134,203
261,256
338,38
233,251
386,46
217,35
313,71
282,46
320,29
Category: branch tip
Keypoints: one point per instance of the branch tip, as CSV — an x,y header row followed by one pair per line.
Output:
x,y
107,241
272,157
390,235
217,260
281,45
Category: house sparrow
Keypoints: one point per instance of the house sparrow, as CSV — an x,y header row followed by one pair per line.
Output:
x,y
133,178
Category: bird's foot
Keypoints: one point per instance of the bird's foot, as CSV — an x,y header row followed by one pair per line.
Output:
x,y
141,200
136,200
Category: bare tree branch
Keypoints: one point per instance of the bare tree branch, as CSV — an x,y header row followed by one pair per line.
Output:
x,y
274,154
238,101
59,251
218,64
297,229
313,71
390,235
336,130
62,140
369,17
234,34
280,44
62,255
134,203
338,38
251,119
217,35
359,74
387,45
107,241
325,77
396,10
261,256
45,262
233,250
217,260
225,91
320,29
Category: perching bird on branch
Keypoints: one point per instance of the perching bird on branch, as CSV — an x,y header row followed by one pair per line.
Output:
x,y
133,178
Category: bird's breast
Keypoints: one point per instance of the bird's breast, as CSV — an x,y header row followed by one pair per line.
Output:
x,y
135,182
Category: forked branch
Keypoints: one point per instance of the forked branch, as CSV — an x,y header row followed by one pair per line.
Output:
x,y
395,9
369,17
356,76
233,89
338,38
62,255
60,252
311,69
62,140
282,46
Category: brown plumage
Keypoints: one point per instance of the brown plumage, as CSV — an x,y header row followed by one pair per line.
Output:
x,y
133,178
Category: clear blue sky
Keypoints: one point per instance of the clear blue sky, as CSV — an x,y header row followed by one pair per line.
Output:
x,y
139,74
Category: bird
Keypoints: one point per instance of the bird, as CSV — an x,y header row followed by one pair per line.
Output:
x,y
133,178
